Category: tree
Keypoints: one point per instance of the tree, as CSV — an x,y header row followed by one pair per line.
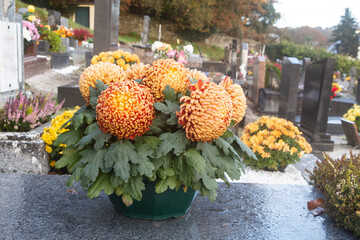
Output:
x,y
345,33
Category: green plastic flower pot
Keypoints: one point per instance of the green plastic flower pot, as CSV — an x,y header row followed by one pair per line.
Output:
x,y
154,206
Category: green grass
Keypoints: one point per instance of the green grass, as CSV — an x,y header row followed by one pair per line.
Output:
x,y
129,38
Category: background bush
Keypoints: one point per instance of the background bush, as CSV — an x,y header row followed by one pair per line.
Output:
x,y
288,49
339,180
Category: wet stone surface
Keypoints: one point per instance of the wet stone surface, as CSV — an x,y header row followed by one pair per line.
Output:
x,y
40,207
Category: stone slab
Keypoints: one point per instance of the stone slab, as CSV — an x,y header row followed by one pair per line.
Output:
x,y
23,152
351,132
71,94
35,65
39,207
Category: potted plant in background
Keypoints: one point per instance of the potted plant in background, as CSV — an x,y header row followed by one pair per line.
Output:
x,y
81,34
59,59
153,134
276,143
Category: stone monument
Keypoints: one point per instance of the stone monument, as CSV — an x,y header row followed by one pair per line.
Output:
x,y
316,102
233,62
146,30
290,77
259,78
54,18
102,36
115,16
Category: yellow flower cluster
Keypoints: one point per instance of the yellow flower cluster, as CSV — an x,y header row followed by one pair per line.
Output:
x,y
352,113
51,133
269,133
120,58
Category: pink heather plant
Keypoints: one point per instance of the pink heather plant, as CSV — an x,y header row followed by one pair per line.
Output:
x,y
32,31
22,113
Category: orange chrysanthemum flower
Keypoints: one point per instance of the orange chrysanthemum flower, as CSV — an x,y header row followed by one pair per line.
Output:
x,y
125,109
166,72
238,98
206,113
103,71
136,71
198,75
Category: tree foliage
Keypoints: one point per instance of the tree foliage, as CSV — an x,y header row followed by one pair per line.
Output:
x,y
345,33
203,17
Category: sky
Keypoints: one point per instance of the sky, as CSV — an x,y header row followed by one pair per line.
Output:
x,y
314,13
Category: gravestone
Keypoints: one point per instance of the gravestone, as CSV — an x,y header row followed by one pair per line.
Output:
x,y
233,58
244,59
358,92
146,30
227,54
22,11
353,78
290,76
259,78
351,132
316,101
102,26
114,34
305,63
11,50
54,18
64,22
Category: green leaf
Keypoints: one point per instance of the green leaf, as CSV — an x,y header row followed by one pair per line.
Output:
x,y
91,170
99,87
118,157
127,200
195,160
93,102
94,134
172,120
87,114
187,173
176,141
74,177
70,138
102,183
134,187
145,166
208,182
227,134
158,123
178,164
167,161
170,94
163,184
224,145
242,145
101,139
152,141
69,158
165,173
210,153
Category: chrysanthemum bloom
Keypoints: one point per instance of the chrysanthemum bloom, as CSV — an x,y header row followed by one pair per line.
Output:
x,y
125,109
206,114
198,75
238,98
103,71
137,71
166,72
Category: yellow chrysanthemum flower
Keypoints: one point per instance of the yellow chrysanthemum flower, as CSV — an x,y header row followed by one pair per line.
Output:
x,y
31,8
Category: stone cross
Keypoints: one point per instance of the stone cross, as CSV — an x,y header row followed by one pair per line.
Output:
x,y
290,77
146,30
259,78
316,102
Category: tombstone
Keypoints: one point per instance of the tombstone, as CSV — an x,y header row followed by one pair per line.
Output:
x,y
290,77
259,78
227,54
64,22
351,132
54,18
102,29
353,78
159,37
305,63
11,50
233,58
244,58
146,30
114,34
316,101
22,11
65,42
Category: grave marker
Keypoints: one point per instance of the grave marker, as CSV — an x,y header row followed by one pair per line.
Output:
x,y
146,30
114,34
102,26
290,76
259,78
316,101
353,78
54,18
351,132
233,58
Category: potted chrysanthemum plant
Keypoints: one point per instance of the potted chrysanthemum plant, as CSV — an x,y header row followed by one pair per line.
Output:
x,y
275,141
153,133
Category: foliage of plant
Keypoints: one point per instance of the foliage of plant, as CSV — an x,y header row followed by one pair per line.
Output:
x,y
276,143
22,113
51,133
66,7
202,17
163,154
54,40
345,32
276,68
81,34
288,49
353,114
339,180
179,54
119,57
